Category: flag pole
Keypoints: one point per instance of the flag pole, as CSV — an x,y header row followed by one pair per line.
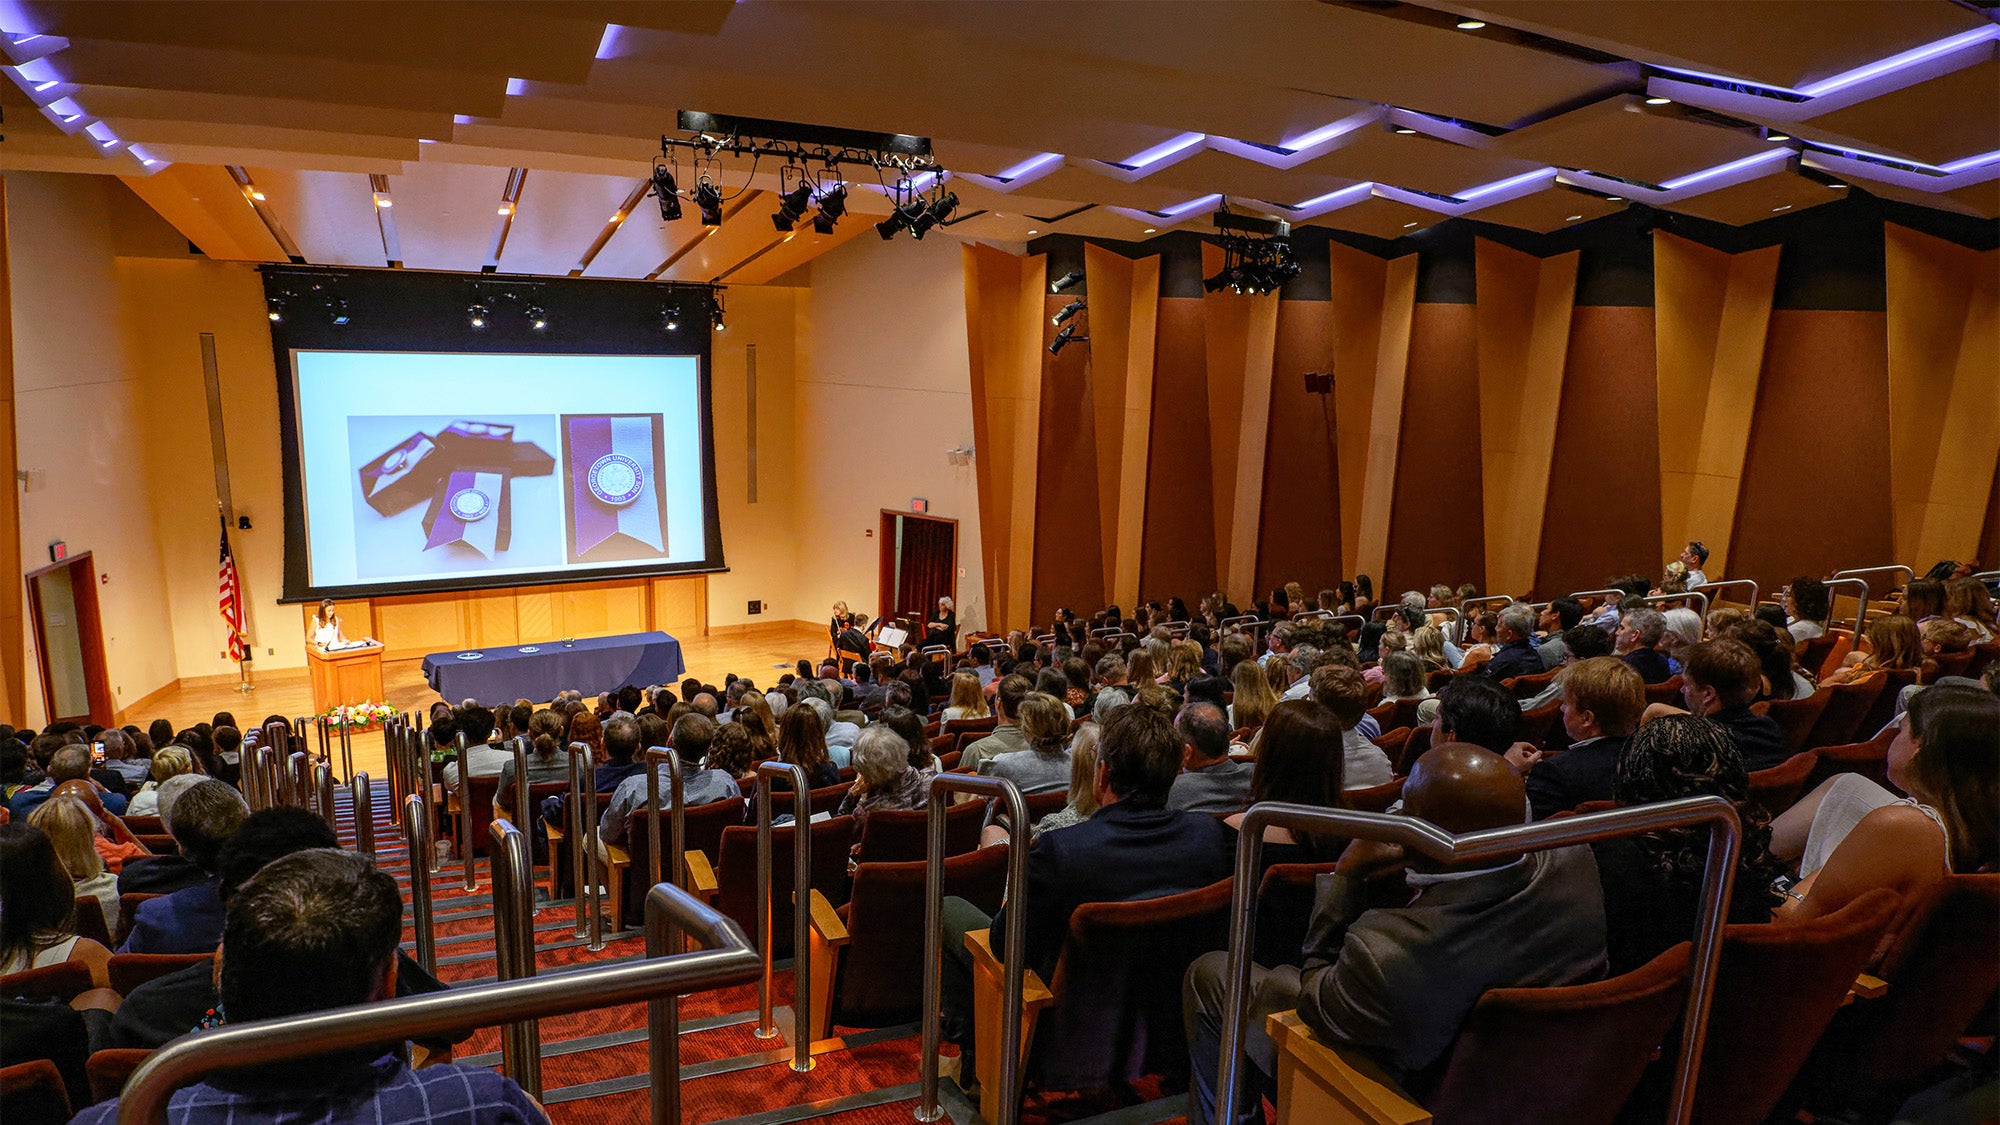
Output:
x,y
233,606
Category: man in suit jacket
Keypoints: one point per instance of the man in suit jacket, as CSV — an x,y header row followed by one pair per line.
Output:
x,y
1638,633
1396,982
1516,655
1602,698
1133,847
202,820
1213,782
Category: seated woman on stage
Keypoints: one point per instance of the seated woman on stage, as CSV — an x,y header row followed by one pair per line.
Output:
x,y
942,628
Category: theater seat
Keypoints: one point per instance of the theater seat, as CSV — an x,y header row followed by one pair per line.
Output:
x,y
109,1070
1668,692
1847,705
90,920
127,971
1795,717
33,1092
732,883
1375,798
863,952
1776,789
903,835
1114,1008
1885,704
50,982
1869,759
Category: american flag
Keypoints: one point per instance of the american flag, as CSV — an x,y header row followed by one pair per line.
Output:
x,y
229,598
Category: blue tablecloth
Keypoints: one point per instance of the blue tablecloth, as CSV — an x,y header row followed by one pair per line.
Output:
x,y
588,664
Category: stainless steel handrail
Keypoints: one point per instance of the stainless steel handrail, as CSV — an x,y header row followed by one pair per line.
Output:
x,y
468,858
1988,576
325,729
514,947
1582,594
1322,614
523,795
416,837
1662,599
663,1014
298,778
364,817
1860,604
801,908
347,749
322,790
1501,600
392,764
1705,587
726,958
1013,962
1725,839
270,773
1894,568
582,846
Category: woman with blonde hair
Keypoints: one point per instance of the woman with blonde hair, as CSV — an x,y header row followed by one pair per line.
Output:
x,y
757,702
1390,644
967,700
72,828
1183,664
1894,644
1427,645
1254,696
170,762
1968,602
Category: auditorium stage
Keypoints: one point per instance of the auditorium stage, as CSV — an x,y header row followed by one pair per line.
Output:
x,y
752,652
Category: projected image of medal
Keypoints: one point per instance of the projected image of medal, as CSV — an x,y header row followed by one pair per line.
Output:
x,y
617,509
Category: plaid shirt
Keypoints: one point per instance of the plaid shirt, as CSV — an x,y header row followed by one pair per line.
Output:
x,y
384,1092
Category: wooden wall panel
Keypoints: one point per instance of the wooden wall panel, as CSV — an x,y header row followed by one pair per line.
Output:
x,y
1359,284
1815,495
1068,540
595,609
1989,540
1124,320
492,617
13,616
1386,418
1943,330
1524,331
1713,310
412,626
1603,512
1178,555
1241,334
1300,524
1436,530
680,605
1003,320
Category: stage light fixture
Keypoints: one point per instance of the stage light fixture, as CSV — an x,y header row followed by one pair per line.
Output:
x,y
903,217
939,210
1069,310
538,318
1065,281
275,309
670,318
715,311
1065,338
708,199
476,315
668,191
336,312
833,203
792,206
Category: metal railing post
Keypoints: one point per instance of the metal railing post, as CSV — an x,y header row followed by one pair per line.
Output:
x,y
392,766
364,819
801,908
1725,841
271,771
582,843
298,785
1907,574
1014,965
725,958
663,1015
347,749
325,741
467,858
1860,604
514,947
523,798
1663,599
1705,587
322,790
417,837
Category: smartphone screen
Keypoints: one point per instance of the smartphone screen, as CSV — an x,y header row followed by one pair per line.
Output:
x,y
97,752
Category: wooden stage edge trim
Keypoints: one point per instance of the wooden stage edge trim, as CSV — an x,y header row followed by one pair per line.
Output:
x,y
749,649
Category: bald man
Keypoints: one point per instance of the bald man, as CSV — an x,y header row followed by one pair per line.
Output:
x,y
1396,982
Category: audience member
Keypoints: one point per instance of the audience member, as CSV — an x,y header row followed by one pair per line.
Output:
x,y
802,742
165,874
691,738
68,763
1044,765
1556,618
1395,982
189,920
1211,781
168,763
315,930
72,828
38,908
1341,690
967,700
883,777
1639,634
1719,681
1516,654
1602,699
1808,605
1475,710
1299,760
1006,737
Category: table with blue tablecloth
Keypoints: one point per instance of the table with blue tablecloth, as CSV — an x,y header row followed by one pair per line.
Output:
x,y
504,673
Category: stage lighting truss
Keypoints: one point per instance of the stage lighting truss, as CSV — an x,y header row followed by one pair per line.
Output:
x,y
496,303
1257,255
682,304
306,297
811,176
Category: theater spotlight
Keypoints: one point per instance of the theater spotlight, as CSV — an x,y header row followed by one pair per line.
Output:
x,y
715,311
275,309
792,206
336,312
904,216
670,318
668,191
832,205
476,316
538,319
708,199
939,210
1069,310
1065,338
1065,281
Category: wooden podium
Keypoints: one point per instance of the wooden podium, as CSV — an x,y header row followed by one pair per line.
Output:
x,y
345,677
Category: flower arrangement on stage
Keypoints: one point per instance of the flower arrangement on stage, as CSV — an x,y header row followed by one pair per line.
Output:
x,y
359,716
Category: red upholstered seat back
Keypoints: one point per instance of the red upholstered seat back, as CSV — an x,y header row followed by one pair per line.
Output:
x,y
1777,989
33,1091
128,971
1606,1032
736,875
1796,717
877,986
1941,972
50,982
1847,704
1375,798
1869,759
108,1069
1884,708
1776,789
1117,1015
1284,911
903,835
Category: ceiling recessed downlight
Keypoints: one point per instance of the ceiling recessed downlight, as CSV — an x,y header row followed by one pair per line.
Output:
x,y
1471,25
1659,101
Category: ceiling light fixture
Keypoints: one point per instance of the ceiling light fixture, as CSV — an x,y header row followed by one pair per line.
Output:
x,y
1403,130
664,187
1572,218
1471,25
1786,207
1776,137
1033,232
537,318
670,317
274,307
1066,281
1257,255
715,311
1407,226
1069,310
939,211
476,315
792,204
336,312
708,200
1065,338
832,205
1152,230
1659,101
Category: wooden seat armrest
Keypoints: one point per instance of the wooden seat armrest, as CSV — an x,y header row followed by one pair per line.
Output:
x,y
826,921
1869,988
701,877
555,833
1332,1084
617,856
1034,994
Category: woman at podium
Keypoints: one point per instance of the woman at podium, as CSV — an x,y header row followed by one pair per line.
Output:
x,y
326,627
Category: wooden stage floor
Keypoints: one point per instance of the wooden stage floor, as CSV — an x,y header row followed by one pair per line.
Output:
x,y
762,652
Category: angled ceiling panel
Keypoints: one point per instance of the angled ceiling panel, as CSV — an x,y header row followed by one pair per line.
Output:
x,y
208,207
746,230
1547,210
1382,218
1628,138
1947,118
330,215
802,246
1780,193
1416,161
559,216
642,243
446,214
